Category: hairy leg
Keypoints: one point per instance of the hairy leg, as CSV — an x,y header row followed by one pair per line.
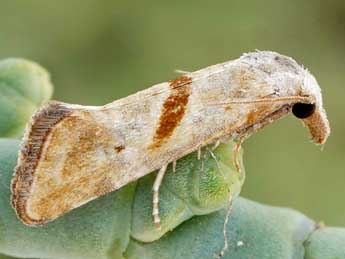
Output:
x,y
156,185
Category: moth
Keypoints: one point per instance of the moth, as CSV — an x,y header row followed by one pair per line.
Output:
x,y
72,154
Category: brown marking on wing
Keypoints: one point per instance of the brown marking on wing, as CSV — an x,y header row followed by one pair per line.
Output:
x,y
180,81
173,110
251,118
248,129
119,148
45,206
105,185
60,132
84,147
228,108
62,198
76,167
257,114
42,123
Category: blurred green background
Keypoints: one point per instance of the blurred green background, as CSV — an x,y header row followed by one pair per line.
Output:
x,y
98,51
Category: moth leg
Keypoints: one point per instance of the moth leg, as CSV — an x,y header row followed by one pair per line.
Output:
x,y
156,185
174,166
202,164
199,152
236,150
226,220
216,144
217,162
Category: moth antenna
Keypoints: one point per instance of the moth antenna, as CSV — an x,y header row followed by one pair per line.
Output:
x,y
156,185
302,99
225,232
236,151
183,72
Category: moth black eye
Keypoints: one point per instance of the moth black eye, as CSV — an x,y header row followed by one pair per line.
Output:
x,y
303,110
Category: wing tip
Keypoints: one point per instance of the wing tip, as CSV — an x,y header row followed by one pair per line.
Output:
x,y
29,155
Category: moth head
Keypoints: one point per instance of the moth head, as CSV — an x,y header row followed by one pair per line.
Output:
x,y
312,113
291,84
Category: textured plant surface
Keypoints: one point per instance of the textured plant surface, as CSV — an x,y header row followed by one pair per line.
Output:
x,y
119,225
24,86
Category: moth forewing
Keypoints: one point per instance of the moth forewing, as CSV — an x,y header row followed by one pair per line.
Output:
x,y
72,154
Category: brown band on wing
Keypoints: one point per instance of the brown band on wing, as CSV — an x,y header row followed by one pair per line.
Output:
x,y
42,123
173,110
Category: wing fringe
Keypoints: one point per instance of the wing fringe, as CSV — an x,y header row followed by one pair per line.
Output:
x,y
36,133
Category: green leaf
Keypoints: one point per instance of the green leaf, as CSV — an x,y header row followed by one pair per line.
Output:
x,y
326,243
5,257
255,231
24,86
